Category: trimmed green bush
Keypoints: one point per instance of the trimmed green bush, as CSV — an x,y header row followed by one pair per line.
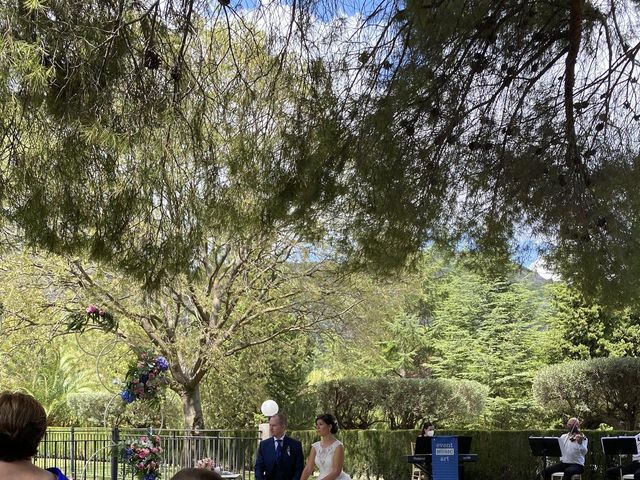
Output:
x,y
601,390
401,403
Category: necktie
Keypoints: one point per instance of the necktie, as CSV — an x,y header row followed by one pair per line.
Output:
x,y
278,449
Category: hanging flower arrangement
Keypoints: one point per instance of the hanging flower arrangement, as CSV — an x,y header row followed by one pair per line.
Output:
x,y
146,378
93,315
143,457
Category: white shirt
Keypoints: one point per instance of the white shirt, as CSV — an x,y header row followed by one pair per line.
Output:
x,y
572,452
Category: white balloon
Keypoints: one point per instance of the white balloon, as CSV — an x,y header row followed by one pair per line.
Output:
x,y
269,408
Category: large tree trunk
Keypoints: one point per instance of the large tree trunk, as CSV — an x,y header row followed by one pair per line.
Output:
x,y
192,409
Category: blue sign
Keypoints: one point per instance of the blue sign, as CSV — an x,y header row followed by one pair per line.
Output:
x,y
444,451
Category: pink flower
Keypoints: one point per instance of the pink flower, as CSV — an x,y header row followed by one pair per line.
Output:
x,y
206,463
154,450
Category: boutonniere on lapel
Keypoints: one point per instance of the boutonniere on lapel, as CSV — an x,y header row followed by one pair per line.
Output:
x,y
288,451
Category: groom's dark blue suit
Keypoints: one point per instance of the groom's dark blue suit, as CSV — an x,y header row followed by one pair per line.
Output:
x,y
288,467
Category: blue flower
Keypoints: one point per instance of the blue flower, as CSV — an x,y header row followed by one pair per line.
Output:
x,y
127,396
162,363
149,476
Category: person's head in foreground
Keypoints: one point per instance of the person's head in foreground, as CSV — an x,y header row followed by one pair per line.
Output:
x,y
22,426
196,474
23,423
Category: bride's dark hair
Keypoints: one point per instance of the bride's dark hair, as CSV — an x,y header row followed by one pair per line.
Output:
x,y
329,420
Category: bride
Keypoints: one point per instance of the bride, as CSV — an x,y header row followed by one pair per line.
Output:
x,y
328,453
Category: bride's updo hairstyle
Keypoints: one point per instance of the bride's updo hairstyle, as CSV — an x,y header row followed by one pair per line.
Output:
x,y
329,420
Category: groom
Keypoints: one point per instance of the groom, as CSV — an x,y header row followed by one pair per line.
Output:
x,y
279,457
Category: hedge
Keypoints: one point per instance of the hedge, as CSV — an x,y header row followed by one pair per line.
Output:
x,y
504,455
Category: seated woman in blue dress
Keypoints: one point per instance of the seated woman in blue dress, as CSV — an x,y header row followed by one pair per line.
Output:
x,y
23,423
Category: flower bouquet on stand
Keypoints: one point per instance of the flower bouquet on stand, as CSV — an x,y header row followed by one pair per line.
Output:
x,y
146,378
143,457
207,463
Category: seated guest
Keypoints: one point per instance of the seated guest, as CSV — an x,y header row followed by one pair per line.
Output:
x,y
196,474
427,430
573,446
615,473
23,423
423,446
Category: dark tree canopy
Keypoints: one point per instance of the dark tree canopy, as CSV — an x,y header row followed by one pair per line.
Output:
x,y
138,131
490,116
133,130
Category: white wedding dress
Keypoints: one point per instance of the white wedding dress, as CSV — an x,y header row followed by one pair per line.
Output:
x,y
324,460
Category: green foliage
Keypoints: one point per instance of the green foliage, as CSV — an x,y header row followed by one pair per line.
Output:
x,y
585,329
244,292
488,325
93,409
601,390
408,402
375,336
406,349
290,363
100,409
352,401
234,390
401,402
50,375
462,316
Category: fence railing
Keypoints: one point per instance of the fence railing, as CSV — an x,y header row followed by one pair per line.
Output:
x,y
94,454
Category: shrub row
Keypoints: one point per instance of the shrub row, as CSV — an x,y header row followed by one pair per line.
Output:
x,y
504,455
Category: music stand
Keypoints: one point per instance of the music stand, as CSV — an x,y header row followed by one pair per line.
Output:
x,y
545,447
619,446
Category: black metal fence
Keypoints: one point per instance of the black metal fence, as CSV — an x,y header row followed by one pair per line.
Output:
x,y
94,454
